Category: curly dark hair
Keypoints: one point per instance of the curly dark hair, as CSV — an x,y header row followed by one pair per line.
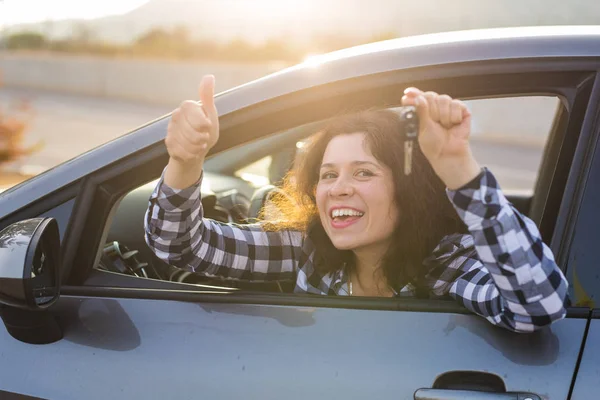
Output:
x,y
426,215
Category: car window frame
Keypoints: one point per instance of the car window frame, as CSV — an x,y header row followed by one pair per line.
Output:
x,y
105,187
583,220
231,161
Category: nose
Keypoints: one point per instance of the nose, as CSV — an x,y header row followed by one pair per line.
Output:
x,y
342,187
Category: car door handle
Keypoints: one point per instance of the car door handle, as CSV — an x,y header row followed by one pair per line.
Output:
x,y
449,394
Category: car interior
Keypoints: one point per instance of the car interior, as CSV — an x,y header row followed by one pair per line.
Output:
x,y
237,185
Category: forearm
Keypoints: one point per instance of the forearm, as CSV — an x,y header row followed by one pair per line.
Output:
x,y
522,267
180,175
531,288
478,291
178,233
172,218
457,172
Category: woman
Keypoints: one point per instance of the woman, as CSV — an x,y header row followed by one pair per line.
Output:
x,y
355,224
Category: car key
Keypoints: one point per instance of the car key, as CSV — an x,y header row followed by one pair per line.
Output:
x,y
410,125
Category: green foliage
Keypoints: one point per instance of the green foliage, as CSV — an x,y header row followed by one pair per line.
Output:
x,y
177,43
156,38
14,122
26,41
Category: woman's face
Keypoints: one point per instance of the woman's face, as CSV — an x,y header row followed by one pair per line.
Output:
x,y
355,195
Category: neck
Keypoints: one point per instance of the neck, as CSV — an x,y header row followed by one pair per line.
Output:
x,y
368,274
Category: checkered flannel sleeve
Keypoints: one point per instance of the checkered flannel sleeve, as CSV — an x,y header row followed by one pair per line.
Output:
x,y
178,233
511,277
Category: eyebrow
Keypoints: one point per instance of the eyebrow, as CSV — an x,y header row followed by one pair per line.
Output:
x,y
353,163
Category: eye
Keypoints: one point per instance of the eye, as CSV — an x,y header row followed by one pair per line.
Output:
x,y
364,173
327,175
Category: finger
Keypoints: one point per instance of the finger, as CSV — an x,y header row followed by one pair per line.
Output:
x,y
443,102
412,92
195,149
466,116
422,106
466,113
177,151
207,95
195,116
434,112
176,117
192,137
409,100
456,112
181,132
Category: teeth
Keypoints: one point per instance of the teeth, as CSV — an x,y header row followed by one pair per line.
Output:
x,y
339,212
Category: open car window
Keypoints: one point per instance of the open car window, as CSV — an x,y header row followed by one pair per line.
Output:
x,y
509,136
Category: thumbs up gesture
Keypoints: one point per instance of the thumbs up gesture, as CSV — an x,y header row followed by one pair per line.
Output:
x,y
193,130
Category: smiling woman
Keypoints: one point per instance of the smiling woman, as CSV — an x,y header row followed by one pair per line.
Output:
x,y
353,222
366,213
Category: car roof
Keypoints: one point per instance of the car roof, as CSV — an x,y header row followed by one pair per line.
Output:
x,y
421,51
396,54
533,36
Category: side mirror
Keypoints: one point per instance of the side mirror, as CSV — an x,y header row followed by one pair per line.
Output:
x,y
29,264
30,279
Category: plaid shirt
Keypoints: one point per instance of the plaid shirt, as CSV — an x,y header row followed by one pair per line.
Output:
x,y
501,271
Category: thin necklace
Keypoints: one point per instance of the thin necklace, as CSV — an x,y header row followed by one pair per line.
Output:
x,y
350,286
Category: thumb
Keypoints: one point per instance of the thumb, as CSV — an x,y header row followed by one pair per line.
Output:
x,y
466,122
423,111
415,97
466,113
207,94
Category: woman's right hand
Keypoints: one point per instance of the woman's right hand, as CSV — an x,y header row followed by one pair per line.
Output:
x,y
193,130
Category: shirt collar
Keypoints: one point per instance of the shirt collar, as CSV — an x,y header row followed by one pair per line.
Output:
x,y
339,284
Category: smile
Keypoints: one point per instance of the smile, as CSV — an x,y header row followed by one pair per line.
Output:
x,y
344,217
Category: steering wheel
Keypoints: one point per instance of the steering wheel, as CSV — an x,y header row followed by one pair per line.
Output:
x,y
236,205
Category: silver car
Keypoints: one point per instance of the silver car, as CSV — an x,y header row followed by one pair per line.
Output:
x,y
90,313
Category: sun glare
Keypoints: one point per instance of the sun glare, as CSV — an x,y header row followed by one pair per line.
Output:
x,y
313,60
255,180
26,11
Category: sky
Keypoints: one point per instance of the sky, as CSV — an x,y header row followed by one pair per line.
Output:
x,y
24,11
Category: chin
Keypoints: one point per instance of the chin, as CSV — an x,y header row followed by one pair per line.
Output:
x,y
345,244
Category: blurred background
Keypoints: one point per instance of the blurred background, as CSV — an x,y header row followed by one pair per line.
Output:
x,y
75,74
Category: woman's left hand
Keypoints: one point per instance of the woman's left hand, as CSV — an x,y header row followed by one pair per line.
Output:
x,y
444,131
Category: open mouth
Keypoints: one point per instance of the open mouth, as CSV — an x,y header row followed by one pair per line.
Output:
x,y
342,217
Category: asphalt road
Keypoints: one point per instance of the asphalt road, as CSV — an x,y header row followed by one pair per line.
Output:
x,y
70,125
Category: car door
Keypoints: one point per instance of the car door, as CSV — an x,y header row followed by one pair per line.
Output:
x,y
583,271
132,338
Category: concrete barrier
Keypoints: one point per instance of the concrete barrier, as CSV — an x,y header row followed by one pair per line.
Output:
x,y
148,81
524,120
